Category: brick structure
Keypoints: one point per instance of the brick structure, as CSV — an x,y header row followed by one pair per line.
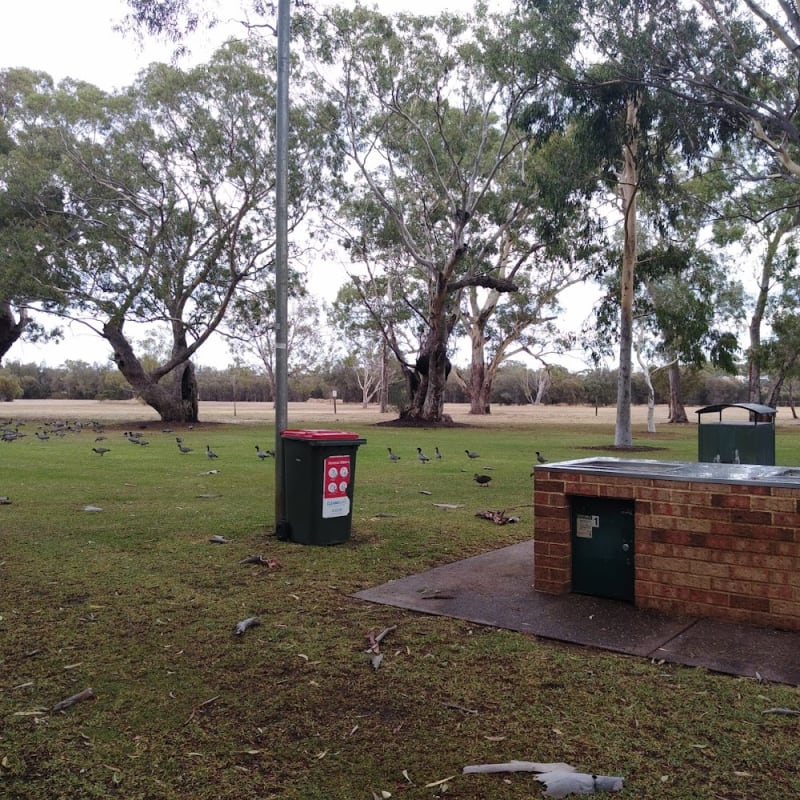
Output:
x,y
707,549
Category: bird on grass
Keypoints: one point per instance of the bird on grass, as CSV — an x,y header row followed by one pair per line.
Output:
x,y
210,453
482,480
437,453
183,448
101,450
472,454
393,456
540,458
262,454
421,456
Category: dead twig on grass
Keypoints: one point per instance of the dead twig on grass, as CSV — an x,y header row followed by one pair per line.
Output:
x,y
250,622
374,644
86,694
460,708
498,517
261,561
199,709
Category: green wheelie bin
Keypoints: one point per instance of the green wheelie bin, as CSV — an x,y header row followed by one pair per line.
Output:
x,y
319,474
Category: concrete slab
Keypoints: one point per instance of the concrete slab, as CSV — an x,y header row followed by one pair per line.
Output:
x,y
737,649
496,589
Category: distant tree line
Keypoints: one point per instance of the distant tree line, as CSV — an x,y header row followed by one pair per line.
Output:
x,y
516,384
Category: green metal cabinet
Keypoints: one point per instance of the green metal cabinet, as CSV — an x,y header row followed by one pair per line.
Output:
x,y
603,547
744,441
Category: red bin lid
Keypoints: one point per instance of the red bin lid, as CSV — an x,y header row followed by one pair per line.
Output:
x,y
319,435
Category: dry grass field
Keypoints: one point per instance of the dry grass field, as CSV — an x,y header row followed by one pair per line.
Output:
x,y
323,410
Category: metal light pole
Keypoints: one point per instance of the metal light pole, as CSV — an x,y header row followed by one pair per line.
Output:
x,y
281,263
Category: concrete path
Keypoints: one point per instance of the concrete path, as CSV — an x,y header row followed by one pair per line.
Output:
x,y
496,589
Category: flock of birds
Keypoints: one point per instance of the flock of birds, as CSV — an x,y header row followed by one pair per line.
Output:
x,y
479,478
8,434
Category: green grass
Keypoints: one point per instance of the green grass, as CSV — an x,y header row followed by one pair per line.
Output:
x,y
135,602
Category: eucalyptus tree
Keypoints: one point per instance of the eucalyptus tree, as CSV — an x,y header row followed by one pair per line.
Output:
x,y
365,315
250,330
444,121
641,136
782,351
686,308
741,59
31,206
170,197
760,221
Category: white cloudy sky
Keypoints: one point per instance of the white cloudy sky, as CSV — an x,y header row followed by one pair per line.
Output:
x,y
75,38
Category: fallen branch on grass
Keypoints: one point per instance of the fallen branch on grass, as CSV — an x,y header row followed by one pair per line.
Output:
x,y
250,622
461,708
86,694
789,712
261,561
559,778
498,517
374,644
518,766
199,709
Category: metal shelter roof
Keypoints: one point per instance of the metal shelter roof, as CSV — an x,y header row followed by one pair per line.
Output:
x,y
753,408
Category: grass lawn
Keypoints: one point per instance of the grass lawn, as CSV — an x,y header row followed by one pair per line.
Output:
x,y
134,601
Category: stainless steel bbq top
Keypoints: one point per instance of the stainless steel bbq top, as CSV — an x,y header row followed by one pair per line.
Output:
x,y
681,470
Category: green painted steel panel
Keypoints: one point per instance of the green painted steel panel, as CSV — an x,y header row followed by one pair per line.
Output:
x,y
603,547
732,441
754,443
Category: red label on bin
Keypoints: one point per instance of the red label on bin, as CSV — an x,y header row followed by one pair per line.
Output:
x,y
335,483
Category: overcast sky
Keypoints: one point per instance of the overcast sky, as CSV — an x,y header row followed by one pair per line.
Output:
x,y
75,38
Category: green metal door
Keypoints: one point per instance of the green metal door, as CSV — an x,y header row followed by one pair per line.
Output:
x,y
602,547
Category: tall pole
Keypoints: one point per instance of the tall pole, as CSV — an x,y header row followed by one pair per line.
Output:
x,y
281,264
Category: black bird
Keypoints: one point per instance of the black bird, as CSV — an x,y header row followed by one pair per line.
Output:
x,y
540,458
437,454
101,450
184,449
262,454
421,456
472,454
210,453
392,456
482,480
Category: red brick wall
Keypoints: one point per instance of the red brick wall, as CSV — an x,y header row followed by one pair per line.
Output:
x,y
729,551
